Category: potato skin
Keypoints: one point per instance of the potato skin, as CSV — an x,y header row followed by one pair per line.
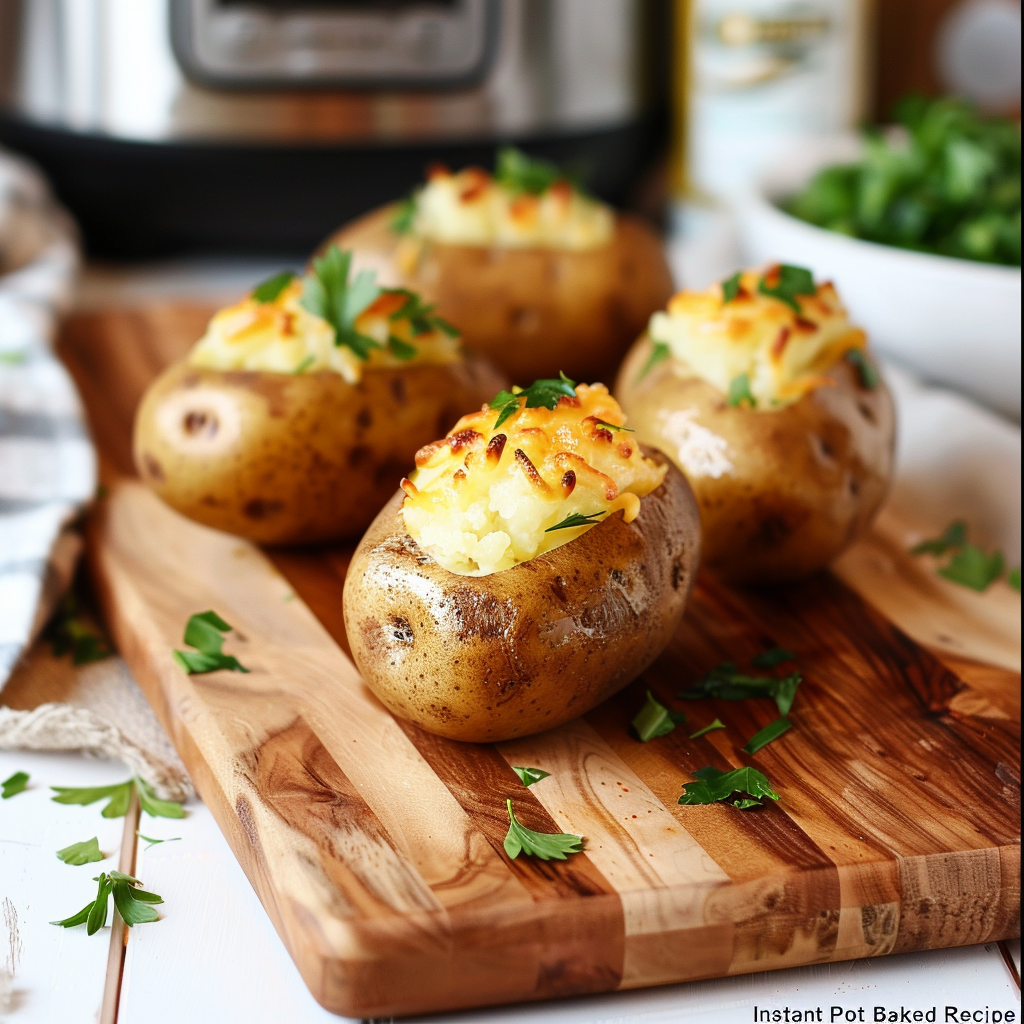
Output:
x,y
492,657
531,312
286,459
781,493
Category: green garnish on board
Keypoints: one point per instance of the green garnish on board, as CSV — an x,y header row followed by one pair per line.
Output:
x,y
545,845
574,520
118,797
654,719
724,682
544,393
715,786
967,565
772,658
132,904
150,841
270,290
528,776
13,785
716,724
203,632
328,293
70,633
86,852
770,732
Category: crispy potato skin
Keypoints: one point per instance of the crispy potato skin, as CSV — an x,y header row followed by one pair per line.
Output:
x,y
781,493
493,657
532,312
287,459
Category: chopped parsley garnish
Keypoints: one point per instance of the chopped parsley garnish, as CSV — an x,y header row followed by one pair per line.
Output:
x,y
69,633
724,683
270,290
615,426
15,784
545,845
528,776
575,519
421,316
716,724
731,287
740,393
329,294
770,732
118,797
133,905
773,657
304,365
787,282
400,349
654,719
150,841
867,372
714,786
203,632
86,852
518,172
660,351
405,215
967,565
543,393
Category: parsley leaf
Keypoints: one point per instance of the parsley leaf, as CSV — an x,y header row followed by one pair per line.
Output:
x,y
654,719
270,290
723,682
17,783
518,172
528,776
716,724
304,365
739,391
866,370
420,314
86,852
154,806
154,842
404,216
119,796
400,349
731,287
787,282
328,293
203,632
575,519
712,786
615,426
770,732
543,393
971,567
134,905
772,657
545,845
69,633
952,538
660,351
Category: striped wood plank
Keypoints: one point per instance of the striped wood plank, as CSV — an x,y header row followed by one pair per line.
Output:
x,y
376,848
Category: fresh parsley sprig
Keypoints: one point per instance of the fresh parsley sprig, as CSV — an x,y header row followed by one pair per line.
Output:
x,y
328,293
574,520
86,852
545,845
654,719
404,217
132,904
731,286
150,841
715,786
770,732
724,682
786,283
518,172
967,565
421,316
118,798
13,785
543,393
270,290
528,776
203,632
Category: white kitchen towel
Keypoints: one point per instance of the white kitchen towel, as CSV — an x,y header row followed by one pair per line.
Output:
x,y
47,461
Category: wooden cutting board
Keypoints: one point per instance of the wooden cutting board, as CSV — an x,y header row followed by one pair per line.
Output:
x,y
376,848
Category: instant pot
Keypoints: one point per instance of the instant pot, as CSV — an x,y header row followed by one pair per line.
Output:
x,y
241,125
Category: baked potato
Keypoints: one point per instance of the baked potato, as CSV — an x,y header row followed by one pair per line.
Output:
x,y
770,403
283,427
532,566
537,276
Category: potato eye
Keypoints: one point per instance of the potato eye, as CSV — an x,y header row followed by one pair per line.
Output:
x,y
200,422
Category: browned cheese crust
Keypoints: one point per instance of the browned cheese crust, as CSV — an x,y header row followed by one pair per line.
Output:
x,y
284,459
532,312
493,657
781,493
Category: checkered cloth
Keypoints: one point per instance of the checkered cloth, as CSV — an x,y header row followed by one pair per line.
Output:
x,y
47,462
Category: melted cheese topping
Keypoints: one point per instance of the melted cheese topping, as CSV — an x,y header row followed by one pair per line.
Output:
x,y
282,336
471,208
482,499
784,354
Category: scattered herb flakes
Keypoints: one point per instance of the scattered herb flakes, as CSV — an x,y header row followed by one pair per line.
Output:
x,y
545,845
773,657
270,290
654,719
786,283
714,786
328,293
528,776
724,682
574,520
615,426
968,565
740,393
660,351
770,732
17,783
518,172
118,797
716,724
867,372
404,216
132,904
731,287
203,631
69,633
544,393
86,852
150,841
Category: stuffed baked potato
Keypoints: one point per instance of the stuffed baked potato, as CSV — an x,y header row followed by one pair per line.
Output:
x,y
536,275
765,396
290,419
535,563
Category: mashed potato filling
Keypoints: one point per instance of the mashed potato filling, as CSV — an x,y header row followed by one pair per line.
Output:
x,y
282,336
471,207
487,498
783,352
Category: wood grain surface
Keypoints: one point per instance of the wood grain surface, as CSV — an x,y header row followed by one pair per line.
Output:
x,y
376,848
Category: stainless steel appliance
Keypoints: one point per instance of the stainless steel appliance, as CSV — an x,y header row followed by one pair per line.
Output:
x,y
262,124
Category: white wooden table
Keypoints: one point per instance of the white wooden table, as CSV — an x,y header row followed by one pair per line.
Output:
x,y
214,955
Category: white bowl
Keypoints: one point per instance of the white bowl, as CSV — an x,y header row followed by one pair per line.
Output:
x,y
953,321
